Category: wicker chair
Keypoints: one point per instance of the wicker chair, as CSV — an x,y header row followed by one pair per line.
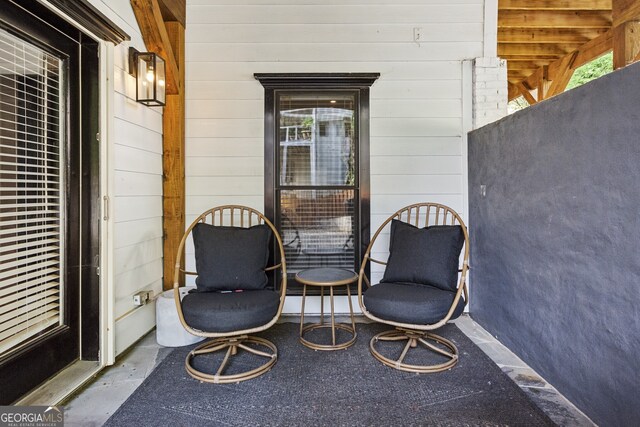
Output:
x,y
423,285
229,304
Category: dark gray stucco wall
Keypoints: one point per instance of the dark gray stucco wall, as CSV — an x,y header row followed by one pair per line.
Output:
x,y
555,243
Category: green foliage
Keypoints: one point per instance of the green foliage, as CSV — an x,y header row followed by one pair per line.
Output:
x,y
592,70
307,122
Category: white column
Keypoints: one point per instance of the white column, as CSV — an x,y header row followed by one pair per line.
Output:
x,y
490,92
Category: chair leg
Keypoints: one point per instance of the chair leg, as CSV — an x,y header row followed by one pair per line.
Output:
x,y
232,346
416,339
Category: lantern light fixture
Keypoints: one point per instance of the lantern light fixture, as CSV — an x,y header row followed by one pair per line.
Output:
x,y
149,70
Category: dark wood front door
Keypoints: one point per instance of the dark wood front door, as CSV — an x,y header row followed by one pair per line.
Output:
x,y
47,165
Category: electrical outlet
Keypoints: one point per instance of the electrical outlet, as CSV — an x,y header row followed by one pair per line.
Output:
x,y
142,298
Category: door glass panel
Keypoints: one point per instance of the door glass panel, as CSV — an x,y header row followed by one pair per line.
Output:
x,y
31,179
317,227
317,144
317,191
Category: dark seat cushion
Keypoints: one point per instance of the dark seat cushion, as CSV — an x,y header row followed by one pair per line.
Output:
x,y
230,258
229,311
428,256
410,303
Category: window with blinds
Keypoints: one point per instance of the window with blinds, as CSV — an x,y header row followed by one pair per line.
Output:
x,y
31,204
317,179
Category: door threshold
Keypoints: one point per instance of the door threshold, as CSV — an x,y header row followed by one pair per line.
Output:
x,y
62,385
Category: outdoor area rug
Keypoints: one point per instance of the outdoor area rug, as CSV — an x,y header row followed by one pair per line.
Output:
x,y
333,388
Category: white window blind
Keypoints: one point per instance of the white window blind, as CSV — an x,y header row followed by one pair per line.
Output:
x,y
31,181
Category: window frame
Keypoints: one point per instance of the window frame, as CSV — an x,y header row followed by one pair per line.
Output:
x,y
359,84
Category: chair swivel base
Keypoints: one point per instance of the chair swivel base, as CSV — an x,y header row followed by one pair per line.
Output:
x,y
416,339
232,345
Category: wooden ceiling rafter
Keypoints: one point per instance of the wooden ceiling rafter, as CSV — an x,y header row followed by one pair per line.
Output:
x,y
548,35
534,50
518,89
625,10
173,11
537,37
563,75
544,41
550,18
556,4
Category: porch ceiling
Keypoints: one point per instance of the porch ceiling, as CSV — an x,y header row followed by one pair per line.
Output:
x,y
536,33
543,41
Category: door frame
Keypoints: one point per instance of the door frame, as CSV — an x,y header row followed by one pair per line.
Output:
x,y
89,20
95,25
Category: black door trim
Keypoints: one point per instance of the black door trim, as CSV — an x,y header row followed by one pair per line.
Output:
x,y
84,13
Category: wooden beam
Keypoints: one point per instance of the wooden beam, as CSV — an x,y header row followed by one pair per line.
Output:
x,y
527,95
625,10
546,58
563,75
532,50
519,75
588,51
156,39
626,44
167,40
174,10
559,84
626,32
522,75
516,65
514,81
548,35
173,186
514,92
554,19
555,4
542,83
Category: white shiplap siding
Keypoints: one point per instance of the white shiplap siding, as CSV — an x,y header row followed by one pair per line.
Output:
x,y
416,104
137,232
136,193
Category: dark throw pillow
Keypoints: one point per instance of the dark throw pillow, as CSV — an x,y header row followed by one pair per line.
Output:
x,y
230,258
428,256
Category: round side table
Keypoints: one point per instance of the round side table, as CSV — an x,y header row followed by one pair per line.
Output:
x,y
327,278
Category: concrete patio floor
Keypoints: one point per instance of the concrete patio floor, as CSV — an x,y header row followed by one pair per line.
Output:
x,y
95,403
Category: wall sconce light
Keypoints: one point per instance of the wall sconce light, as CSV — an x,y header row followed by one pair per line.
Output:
x,y
149,70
